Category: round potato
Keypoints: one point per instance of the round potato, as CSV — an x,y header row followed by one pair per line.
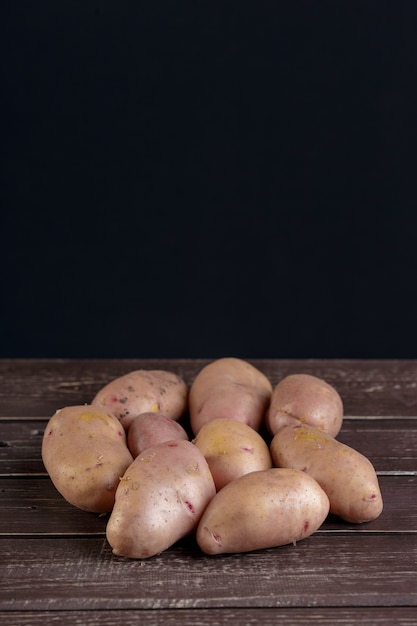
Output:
x,y
143,391
348,477
229,388
260,510
149,429
84,452
160,499
307,399
232,449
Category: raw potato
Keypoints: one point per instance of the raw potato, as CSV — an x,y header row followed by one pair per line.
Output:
x,y
142,391
262,509
232,449
348,477
84,452
149,429
229,388
160,499
307,399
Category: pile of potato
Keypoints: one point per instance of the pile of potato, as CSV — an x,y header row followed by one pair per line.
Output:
x,y
263,467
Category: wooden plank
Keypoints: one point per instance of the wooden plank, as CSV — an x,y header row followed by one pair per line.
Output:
x,y
40,386
390,444
367,616
321,571
20,447
33,506
399,513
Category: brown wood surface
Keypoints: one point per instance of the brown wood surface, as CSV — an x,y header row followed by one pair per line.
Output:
x,y
57,567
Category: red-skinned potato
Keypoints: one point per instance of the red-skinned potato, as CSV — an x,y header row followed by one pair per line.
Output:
x,y
150,429
346,475
260,510
231,449
143,391
307,399
229,388
84,452
160,499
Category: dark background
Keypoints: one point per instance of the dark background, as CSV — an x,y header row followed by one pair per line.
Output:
x,y
201,179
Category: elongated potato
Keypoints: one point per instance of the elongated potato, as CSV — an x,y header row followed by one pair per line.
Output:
x,y
150,429
231,449
346,475
160,499
307,399
142,391
260,510
229,388
84,452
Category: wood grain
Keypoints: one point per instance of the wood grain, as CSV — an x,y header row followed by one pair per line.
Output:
x,y
57,567
367,616
353,570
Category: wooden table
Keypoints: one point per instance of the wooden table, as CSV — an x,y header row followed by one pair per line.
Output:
x,y
56,566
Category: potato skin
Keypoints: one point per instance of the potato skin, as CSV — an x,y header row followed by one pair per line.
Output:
x,y
150,429
232,449
346,475
143,391
260,510
229,388
307,399
84,452
160,499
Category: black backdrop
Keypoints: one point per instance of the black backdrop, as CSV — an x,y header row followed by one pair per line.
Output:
x,y
199,179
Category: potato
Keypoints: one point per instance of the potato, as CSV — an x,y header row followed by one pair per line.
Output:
x,y
263,509
348,477
149,429
229,388
307,399
84,452
231,449
160,499
142,391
